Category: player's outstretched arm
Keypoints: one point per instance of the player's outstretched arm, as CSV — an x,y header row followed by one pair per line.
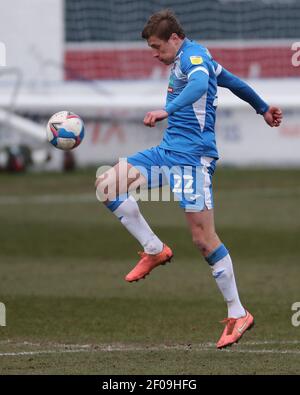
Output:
x,y
240,88
196,87
225,79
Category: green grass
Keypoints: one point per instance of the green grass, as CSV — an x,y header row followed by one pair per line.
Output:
x,y
62,280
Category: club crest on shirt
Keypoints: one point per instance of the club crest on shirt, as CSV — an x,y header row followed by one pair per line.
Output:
x,y
196,59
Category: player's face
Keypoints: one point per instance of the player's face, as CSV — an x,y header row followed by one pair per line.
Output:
x,y
165,51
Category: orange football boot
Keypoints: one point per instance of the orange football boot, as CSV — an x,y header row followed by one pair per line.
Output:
x,y
234,329
148,262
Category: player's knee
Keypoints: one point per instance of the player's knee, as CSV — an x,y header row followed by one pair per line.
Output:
x,y
105,189
98,182
99,186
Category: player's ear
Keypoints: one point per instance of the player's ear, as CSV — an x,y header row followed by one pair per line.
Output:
x,y
174,37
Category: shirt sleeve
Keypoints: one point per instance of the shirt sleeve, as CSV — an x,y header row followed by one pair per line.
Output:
x,y
240,88
196,87
193,66
193,60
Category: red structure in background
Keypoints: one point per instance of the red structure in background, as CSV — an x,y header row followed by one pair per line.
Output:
x,y
138,63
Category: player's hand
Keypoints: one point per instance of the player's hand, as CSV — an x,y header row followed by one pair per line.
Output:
x,y
273,116
153,116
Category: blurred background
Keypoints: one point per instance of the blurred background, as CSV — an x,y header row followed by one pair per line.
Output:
x,y
87,56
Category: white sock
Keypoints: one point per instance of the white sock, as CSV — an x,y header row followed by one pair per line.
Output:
x,y
129,214
224,276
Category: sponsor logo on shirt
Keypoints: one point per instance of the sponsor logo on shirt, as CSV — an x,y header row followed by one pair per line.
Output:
x,y
196,59
171,85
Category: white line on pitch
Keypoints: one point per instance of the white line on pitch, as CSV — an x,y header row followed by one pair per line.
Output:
x,y
127,348
113,349
48,199
90,198
135,346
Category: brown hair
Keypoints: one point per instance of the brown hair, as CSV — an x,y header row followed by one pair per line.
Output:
x,y
162,24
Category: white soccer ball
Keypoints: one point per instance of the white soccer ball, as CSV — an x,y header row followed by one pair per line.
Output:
x,y
65,130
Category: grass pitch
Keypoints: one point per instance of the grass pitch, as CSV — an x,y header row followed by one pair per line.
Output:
x,y
63,258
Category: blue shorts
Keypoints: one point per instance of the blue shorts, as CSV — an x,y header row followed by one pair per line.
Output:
x,y
189,176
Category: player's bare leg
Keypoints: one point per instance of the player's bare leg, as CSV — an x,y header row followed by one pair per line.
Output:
x,y
117,181
112,188
206,239
202,226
